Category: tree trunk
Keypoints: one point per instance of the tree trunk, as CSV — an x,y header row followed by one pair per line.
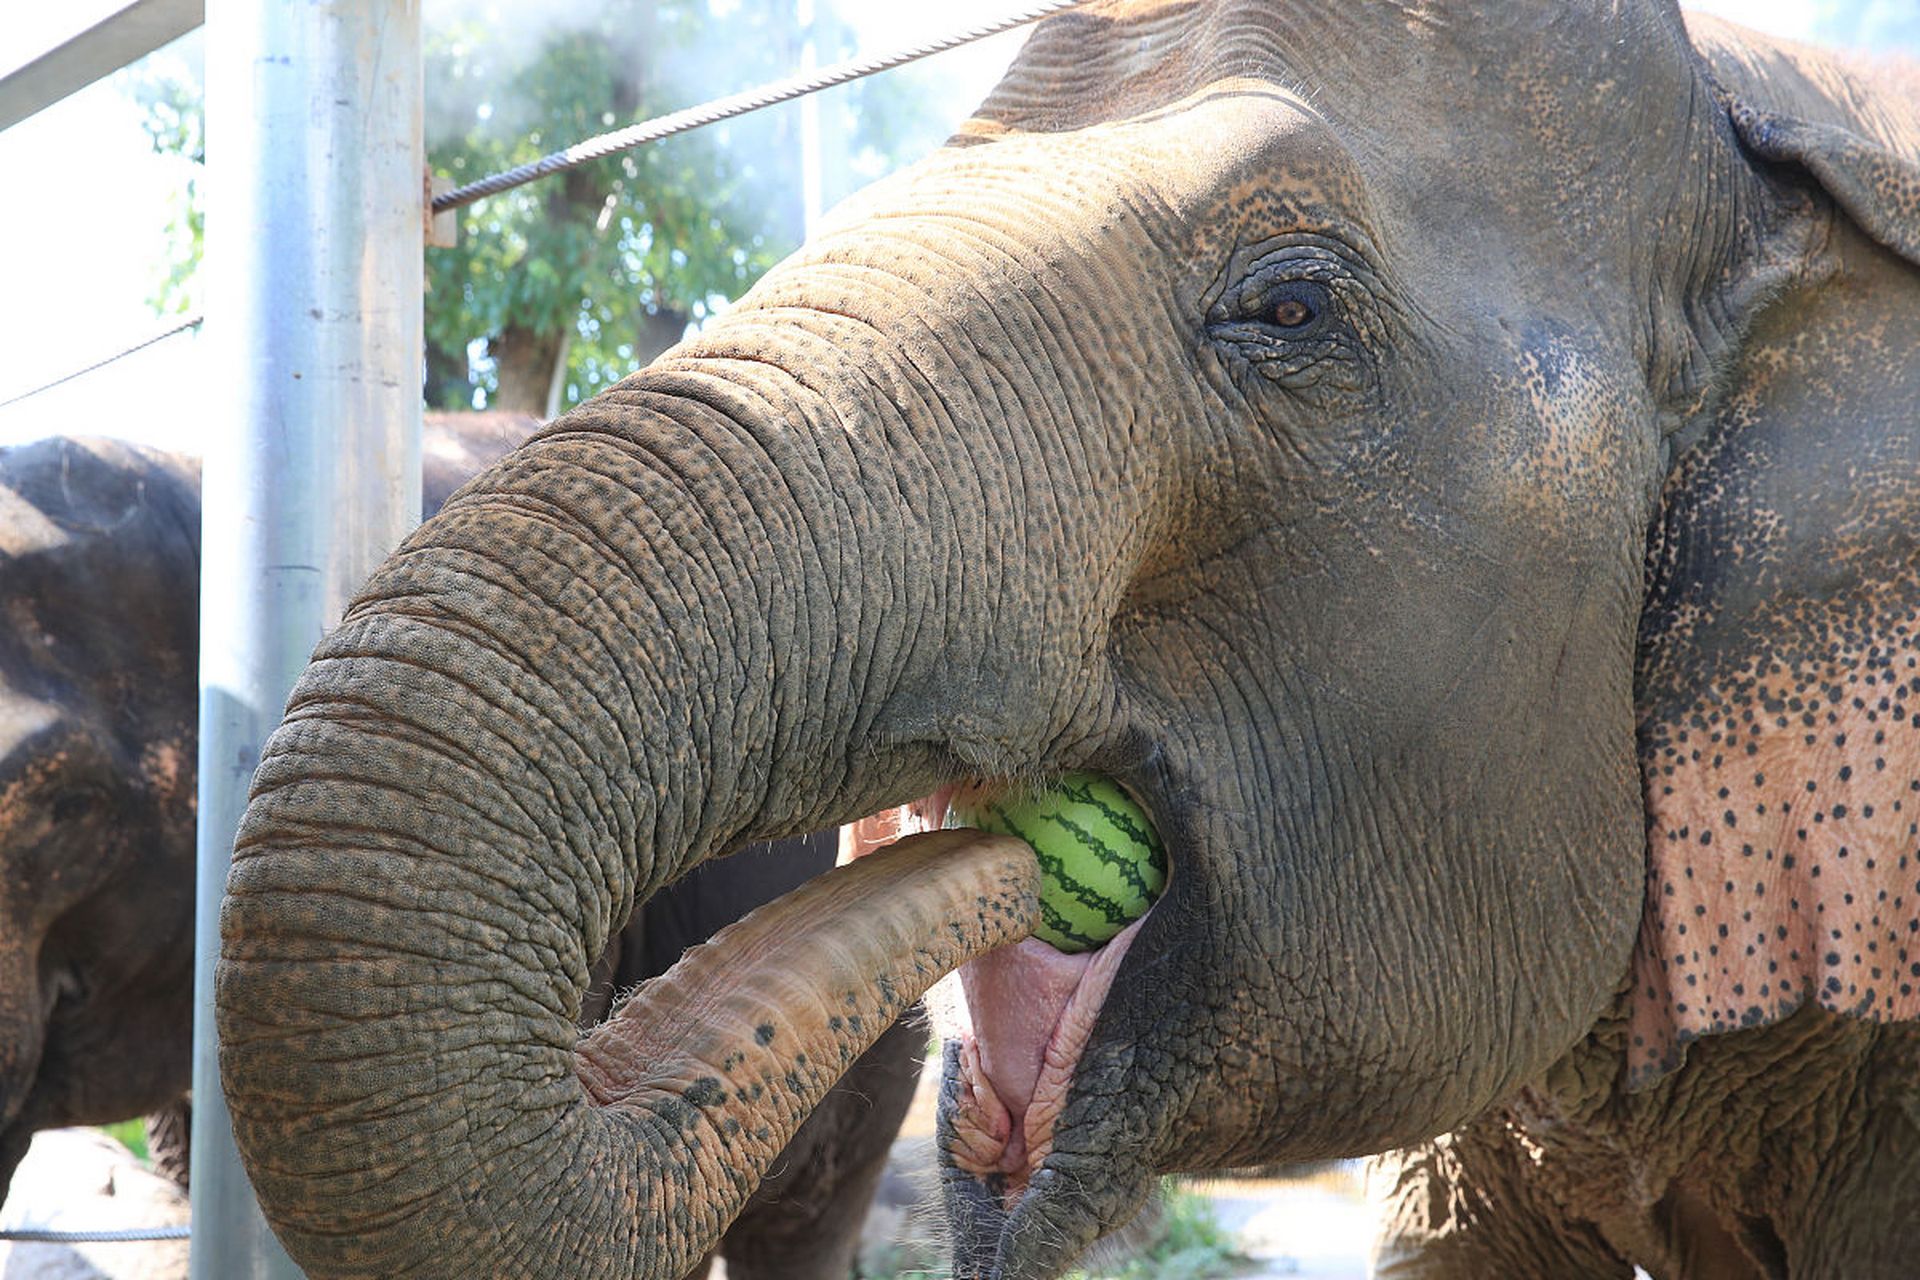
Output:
x,y
523,365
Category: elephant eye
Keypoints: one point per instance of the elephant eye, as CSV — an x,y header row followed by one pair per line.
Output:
x,y
1294,306
1292,313
1289,320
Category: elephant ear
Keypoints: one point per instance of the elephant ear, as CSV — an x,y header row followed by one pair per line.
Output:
x,y
1852,125
1779,663
1878,187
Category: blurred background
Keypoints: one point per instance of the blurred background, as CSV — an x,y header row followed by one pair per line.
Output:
x,y
556,289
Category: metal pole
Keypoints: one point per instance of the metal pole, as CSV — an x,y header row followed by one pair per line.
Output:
x,y
810,203
314,225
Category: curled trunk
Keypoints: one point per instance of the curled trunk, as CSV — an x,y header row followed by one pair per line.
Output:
x,y
595,669
788,576
649,1135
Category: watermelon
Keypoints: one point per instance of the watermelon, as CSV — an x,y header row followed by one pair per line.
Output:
x,y
1101,862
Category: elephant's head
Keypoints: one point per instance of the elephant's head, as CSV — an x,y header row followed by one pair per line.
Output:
x,y
1263,404
99,545
99,656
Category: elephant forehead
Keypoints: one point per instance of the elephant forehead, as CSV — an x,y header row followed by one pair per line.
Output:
x,y
1488,108
1120,60
1260,139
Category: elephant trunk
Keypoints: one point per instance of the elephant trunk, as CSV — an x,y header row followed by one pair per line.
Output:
x,y
691,1088
692,614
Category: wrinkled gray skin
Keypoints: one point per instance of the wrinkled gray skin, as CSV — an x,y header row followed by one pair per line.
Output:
x,y
99,555
99,560
1417,447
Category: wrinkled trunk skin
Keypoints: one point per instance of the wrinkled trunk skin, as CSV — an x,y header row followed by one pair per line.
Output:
x,y
721,603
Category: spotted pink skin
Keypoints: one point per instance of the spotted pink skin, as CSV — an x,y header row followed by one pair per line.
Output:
x,y
1783,856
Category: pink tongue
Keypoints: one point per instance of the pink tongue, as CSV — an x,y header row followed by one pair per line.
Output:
x,y
1016,997
1029,1010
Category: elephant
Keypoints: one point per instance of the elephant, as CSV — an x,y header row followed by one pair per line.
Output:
x,y
98,579
1453,463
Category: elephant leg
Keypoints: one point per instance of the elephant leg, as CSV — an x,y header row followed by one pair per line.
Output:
x,y
169,1134
1462,1208
804,1222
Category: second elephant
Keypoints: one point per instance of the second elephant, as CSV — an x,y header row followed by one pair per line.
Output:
x,y
99,563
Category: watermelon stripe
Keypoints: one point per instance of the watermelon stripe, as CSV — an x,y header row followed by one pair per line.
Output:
x,y
1119,863
1080,914
1057,929
1119,818
1088,897
1050,865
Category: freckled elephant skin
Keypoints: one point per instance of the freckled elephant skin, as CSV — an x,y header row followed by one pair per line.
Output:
x,y
1416,448
99,548
99,566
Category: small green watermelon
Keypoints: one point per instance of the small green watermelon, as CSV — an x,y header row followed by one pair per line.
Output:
x,y
1101,861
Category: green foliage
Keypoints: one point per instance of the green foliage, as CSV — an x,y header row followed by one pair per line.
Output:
x,y
173,117
610,263
1194,1245
131,1134
619,257
622,255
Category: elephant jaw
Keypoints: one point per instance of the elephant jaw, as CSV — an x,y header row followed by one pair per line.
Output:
x,y
1022,1016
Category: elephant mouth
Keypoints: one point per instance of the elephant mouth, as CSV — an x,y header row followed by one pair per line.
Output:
x,y
1022,1016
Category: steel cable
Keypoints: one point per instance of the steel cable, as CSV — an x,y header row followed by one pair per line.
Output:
x,y
37,1235
738,104
189,323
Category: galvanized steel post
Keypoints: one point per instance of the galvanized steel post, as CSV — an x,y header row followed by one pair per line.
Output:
x,y
314,229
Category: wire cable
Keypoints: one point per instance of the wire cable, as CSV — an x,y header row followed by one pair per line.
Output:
x,y
38,1235
191,322
606,144
739,104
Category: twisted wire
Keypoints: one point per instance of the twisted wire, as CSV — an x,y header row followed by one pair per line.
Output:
x,y
37,1235
190,322
738,104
